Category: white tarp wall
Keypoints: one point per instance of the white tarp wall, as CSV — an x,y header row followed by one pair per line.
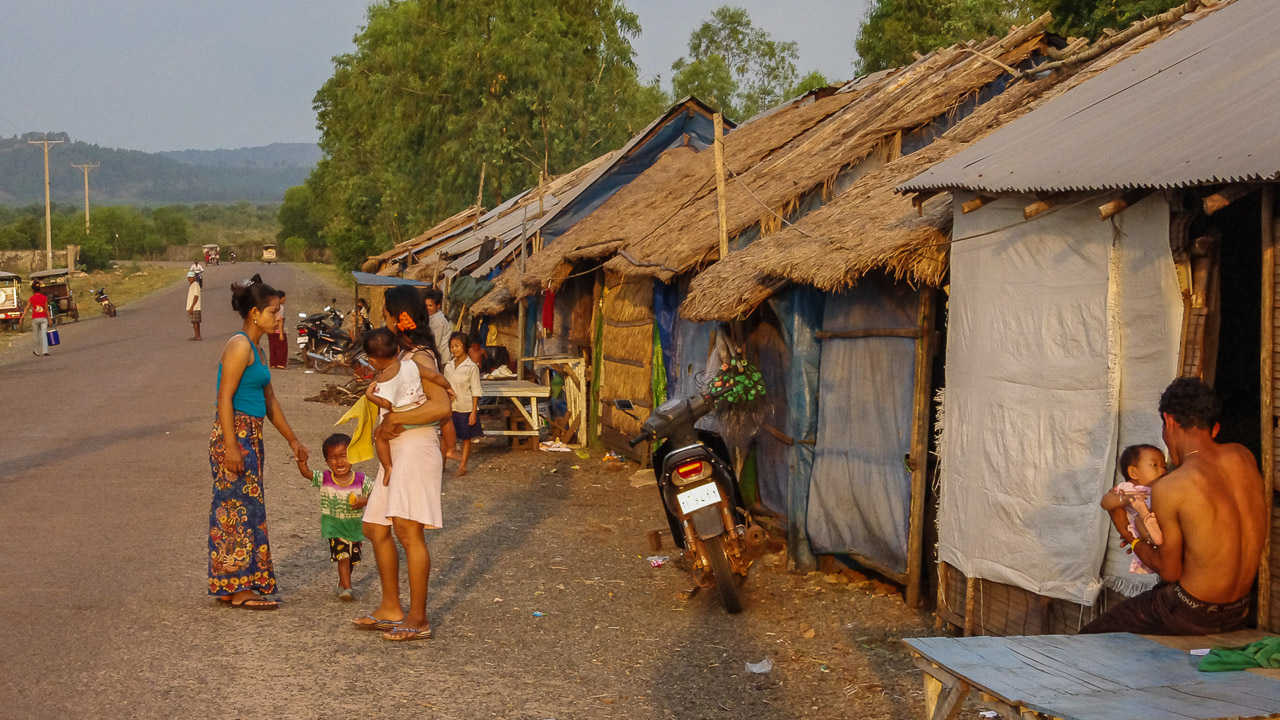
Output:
x,y
1062,332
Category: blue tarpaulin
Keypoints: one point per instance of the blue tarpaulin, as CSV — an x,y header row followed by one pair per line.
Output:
x,y
860,493
367,279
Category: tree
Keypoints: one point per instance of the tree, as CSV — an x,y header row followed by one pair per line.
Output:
x,y
761,69
812,81
298,218
434,91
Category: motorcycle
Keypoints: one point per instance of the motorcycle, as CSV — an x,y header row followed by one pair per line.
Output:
x,y
325,345
232,255
699,490
108,307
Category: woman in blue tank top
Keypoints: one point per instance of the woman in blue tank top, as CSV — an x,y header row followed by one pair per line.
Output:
x,y
240,568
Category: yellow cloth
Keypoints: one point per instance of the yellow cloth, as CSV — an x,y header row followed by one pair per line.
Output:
x,y
365,414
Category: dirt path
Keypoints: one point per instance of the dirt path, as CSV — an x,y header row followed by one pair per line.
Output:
x,y
105,479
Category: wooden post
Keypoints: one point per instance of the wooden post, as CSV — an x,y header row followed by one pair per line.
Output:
x,y
1268,398
971,619
921,405
48,221
524,301
86,167
718,120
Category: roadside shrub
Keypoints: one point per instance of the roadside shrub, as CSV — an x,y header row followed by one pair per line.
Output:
x,y
295,249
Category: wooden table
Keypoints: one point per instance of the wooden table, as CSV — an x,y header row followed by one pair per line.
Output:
x,y
574,370
1115,676
517,391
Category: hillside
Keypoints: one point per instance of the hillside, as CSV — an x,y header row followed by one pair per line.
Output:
x,y
130,177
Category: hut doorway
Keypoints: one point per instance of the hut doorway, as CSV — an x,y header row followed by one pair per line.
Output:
x,y
1235,326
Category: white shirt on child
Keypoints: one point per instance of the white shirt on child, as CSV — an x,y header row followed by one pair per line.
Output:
x,y
404,390
464,378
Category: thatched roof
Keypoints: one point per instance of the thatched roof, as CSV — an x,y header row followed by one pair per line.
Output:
x,y
377,263
870,227
665,224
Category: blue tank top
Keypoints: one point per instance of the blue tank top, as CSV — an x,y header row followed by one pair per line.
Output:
x,y
250,398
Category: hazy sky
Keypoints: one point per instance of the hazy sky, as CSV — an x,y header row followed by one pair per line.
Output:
x,y
177,74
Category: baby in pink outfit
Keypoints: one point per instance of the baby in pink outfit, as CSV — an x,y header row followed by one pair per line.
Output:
x,y
1129,502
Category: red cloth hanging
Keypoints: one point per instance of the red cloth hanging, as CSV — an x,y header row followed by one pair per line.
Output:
x,y
548,312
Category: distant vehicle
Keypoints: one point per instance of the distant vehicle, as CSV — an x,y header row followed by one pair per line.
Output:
x,y
108,307
268,253
10,300
212,254
56,285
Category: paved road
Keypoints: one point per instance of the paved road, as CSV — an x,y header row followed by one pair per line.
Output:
x,y
105,485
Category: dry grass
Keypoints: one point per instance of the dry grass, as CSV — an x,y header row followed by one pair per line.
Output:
x,y
124,285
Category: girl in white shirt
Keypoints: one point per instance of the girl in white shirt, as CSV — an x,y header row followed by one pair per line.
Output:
x,y
464,376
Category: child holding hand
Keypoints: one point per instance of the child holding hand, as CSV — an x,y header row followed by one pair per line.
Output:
x,y
1129,503
343,495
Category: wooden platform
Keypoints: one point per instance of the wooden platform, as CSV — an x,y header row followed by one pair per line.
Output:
x,y
1115,676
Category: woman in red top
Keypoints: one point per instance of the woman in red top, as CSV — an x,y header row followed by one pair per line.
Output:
x,y
38,304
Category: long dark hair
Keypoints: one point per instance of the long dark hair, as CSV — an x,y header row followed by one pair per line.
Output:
x,y
251,293
405,300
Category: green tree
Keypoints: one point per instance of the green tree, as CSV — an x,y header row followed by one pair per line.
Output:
x,y
762,69
812,81
709,80
434,91
298,218
170,225
896,29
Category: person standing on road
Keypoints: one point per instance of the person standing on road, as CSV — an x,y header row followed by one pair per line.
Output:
x,y
38,305
440,325
411,502
193,303
279,350
241,573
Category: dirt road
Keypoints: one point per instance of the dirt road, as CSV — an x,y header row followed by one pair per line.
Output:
x,y
103,613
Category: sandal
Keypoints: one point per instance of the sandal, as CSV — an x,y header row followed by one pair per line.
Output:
x,y
256,602
376,624
403,634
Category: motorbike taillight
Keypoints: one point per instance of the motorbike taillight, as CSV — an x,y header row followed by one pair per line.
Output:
x,y
690,471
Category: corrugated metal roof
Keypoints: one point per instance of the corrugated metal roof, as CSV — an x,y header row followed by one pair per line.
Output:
x,y
1199,106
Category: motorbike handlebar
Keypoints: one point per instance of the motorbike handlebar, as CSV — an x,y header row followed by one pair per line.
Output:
x,y
638,439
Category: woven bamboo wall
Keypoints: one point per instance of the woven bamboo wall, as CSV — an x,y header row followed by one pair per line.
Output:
x,y
1000,610
626,350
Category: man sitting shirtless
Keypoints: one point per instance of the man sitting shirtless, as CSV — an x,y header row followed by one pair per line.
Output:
x,y
1214,519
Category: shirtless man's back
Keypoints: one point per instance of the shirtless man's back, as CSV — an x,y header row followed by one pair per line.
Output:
x,y
1214,519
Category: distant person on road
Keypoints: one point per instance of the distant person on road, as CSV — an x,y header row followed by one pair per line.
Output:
x,y
1214,522
440,325
343,495
279,349
193,304
412,502
241,572
38,306
198,269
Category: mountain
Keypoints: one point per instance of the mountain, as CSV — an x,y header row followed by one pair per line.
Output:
x,y
131,177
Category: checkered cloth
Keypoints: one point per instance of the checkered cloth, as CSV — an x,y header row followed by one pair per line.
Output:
x,y
195,315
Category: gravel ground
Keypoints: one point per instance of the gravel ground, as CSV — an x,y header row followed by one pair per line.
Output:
x,y
542,600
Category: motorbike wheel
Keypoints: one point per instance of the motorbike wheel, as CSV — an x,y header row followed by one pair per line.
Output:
x,y
724,576
323,366
111,310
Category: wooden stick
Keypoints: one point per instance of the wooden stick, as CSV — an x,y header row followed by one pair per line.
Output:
x,y
718,120
1268,398
1225,197
970,606
1037,208
1121,203
975,204
1119,38
855,334
920,446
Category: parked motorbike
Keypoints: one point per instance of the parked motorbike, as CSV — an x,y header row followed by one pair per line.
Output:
x,y
699,490
108,307
232,255
324,345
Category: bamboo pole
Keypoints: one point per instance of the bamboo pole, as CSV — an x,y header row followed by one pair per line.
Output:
x,y
920,447
1268,398
718,120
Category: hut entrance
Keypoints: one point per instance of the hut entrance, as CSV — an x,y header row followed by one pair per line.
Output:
x,y
626,360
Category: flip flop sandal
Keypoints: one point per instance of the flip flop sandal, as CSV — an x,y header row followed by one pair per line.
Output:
x,y
377,624
404,634
255,603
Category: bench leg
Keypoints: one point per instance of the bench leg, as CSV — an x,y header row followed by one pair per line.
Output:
x,y
942,700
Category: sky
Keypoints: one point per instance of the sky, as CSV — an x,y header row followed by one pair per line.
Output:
x,y
179,74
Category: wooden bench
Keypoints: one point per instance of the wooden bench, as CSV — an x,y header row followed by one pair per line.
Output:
x,y
1116,676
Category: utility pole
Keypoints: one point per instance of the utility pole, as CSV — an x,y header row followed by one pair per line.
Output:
x,y
86,168
48,222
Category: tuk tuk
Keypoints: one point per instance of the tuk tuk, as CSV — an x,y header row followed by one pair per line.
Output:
x,y
268,253
56,285
10,300
211,254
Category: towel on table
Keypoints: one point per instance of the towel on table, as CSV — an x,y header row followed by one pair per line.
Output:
x,y
365,414
1264,653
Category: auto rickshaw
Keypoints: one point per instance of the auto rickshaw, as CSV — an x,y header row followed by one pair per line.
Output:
x,y
56,285
268,253
10,300
211,254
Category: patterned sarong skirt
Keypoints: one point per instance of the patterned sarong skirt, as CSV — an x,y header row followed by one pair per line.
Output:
x,y
239,553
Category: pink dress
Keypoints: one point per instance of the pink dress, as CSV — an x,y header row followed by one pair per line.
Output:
x,y
414,491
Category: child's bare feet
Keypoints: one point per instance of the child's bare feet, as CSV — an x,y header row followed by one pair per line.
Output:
x,y
453,454
462,470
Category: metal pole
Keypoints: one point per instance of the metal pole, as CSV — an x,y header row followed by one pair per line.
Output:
x,y
48,221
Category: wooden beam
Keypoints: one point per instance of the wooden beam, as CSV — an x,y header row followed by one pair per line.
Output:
x,y
1224,197
943,692
974,204
1121,203
1039,207
971,620
1268,399
718,121
921,404
920,198
855,334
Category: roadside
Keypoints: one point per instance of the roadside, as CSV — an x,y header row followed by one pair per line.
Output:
x,y
543,598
